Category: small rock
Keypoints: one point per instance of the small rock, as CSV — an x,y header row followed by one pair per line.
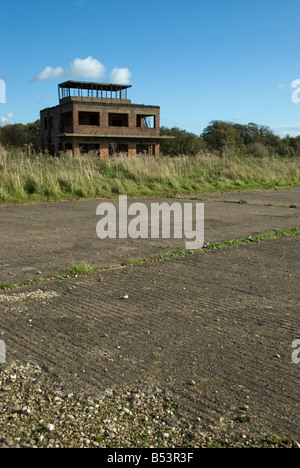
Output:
x,y
50,427
70,417
5,389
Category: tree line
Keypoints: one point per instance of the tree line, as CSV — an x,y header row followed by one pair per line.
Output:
x,y
224,138
227,138
21,136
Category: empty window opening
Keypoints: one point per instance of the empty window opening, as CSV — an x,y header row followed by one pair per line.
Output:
x,y
117,150
89,118
148,150
118,120
68,147
90,149
66,120
51,149
145,121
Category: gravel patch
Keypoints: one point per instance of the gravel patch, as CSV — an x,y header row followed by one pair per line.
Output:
x,y
37,411
17,297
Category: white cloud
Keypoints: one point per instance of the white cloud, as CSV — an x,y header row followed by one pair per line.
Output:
x,y
119,76
49,73
88,68
238,118
7,119
284,130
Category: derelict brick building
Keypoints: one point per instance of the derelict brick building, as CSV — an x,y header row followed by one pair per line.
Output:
x,y
99,118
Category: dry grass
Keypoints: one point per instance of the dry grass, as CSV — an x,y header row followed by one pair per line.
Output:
x,y
28,177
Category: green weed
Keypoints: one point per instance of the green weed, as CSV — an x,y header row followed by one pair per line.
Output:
x,y
7,286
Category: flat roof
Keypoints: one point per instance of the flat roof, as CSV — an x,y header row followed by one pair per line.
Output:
x,y
93,86
128,137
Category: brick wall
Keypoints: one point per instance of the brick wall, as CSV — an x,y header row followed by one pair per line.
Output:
x,y
54,122
105,129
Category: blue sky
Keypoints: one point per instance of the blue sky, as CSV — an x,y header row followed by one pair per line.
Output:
x,y
199,61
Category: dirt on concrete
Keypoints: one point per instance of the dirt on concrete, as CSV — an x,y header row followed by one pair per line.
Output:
x,y
43,239
275,197
214,329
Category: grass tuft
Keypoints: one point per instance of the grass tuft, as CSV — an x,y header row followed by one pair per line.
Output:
x,y
4,286
77,269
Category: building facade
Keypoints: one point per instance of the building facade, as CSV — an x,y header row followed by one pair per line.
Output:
x,y
98,118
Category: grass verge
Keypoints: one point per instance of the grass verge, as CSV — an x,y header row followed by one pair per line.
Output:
x,y
215,246
26,178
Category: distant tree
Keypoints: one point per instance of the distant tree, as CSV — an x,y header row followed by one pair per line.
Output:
x,y
13,135
292,144
253,139
34,134
258,150
256,133
21,136
220,136
183,143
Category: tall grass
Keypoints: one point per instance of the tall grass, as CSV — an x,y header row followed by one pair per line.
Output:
x,y
26,177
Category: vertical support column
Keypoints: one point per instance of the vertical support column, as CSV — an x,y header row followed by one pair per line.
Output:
x,y
75,120
132,149
132,120
156,150
157,121
55,142
75,147
104,149
104,121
